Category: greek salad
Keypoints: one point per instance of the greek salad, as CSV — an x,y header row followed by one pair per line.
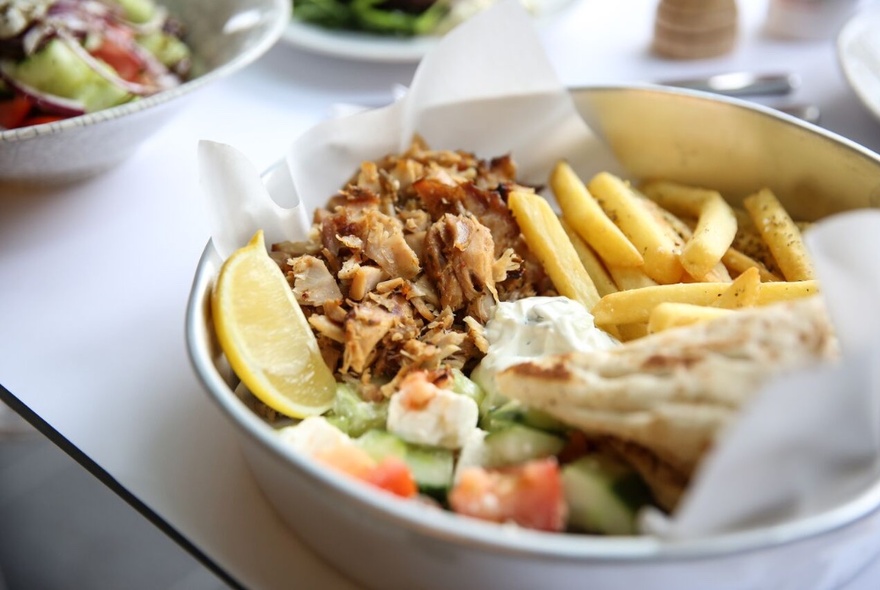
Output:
x,y
64,58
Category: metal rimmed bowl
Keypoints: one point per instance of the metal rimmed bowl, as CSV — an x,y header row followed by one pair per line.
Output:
x,y
679,135
224,35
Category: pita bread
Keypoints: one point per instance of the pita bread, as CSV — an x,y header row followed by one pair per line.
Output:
x,y
673,392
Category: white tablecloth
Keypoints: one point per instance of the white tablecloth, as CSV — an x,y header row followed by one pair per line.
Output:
x,y
95,276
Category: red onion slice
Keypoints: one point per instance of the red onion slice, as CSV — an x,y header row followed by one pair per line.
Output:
x,y
48,103
104,71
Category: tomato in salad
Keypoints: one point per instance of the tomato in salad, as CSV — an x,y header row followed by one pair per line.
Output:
x,y
14,111
391,474
530,494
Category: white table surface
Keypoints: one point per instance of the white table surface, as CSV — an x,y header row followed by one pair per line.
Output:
x,y
94,277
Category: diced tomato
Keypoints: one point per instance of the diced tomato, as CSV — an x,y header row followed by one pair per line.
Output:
x,y
126,63
348,459
40,119
14,111
530,495
393,475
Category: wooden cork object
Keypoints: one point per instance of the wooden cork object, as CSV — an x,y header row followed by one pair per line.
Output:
x,y
694,29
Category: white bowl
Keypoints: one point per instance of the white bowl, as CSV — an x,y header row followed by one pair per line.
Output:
x,y
387,543
224,35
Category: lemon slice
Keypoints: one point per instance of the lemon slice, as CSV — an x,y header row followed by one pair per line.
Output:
x,y
266,336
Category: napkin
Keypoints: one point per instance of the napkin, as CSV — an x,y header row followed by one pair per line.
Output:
x,y
806,443
810,440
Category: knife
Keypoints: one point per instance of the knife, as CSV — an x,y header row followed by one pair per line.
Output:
x,y
740,84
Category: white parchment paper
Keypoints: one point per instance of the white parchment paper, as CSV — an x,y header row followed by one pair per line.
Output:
x,y
808,442
487,85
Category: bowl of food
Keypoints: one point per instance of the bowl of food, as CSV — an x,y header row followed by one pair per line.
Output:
x,y
481,391
83,83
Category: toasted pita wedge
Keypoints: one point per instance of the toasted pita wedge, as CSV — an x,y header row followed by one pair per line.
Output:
x,y
674,391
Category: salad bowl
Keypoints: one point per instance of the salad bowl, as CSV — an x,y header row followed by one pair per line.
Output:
x,y
223,36
412,545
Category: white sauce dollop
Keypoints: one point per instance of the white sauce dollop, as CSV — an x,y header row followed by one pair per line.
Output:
x,y
536,327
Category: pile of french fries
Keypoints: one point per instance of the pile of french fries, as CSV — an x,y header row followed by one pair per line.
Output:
x,y
661,255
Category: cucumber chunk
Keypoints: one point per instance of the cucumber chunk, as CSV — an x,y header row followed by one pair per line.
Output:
x,y
380,444
465,386
541,420
137,11
353,415
431,467
513,411
604,495
57,70
516,443
168,49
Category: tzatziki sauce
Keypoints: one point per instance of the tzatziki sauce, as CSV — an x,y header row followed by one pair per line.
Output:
x,y
535,327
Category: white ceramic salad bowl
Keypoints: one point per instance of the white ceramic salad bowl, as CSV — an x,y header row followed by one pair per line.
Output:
x,y
224,36
386,543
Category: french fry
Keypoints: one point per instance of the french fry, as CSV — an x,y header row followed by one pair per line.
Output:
x,y
738,262
679,199
781,235
742,292
688,261
628,332
630,278
786,290
672,315
622,205
583,213
718,274
634,306
716,224
545,237
603,281
673,227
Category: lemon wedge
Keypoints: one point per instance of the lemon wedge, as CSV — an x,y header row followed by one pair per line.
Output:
x,y
266,336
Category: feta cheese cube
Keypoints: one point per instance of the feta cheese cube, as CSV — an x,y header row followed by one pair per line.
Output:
x,y
314,434
446,420
474,452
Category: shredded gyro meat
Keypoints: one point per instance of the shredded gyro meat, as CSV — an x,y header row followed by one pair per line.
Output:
x,y
313,283
459,258
407,261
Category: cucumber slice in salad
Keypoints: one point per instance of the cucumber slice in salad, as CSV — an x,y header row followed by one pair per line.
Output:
x,y
431,467
168,49
604,495
513,443
57,70
355,416
513,411
137,11
466,386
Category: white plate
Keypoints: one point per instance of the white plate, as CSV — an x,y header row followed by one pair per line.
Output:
x,y
355,45
382,48
858,50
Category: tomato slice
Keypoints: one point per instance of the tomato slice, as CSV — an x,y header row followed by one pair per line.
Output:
x,y
530,495
393,475
40,119
14,111
126,63
349,459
